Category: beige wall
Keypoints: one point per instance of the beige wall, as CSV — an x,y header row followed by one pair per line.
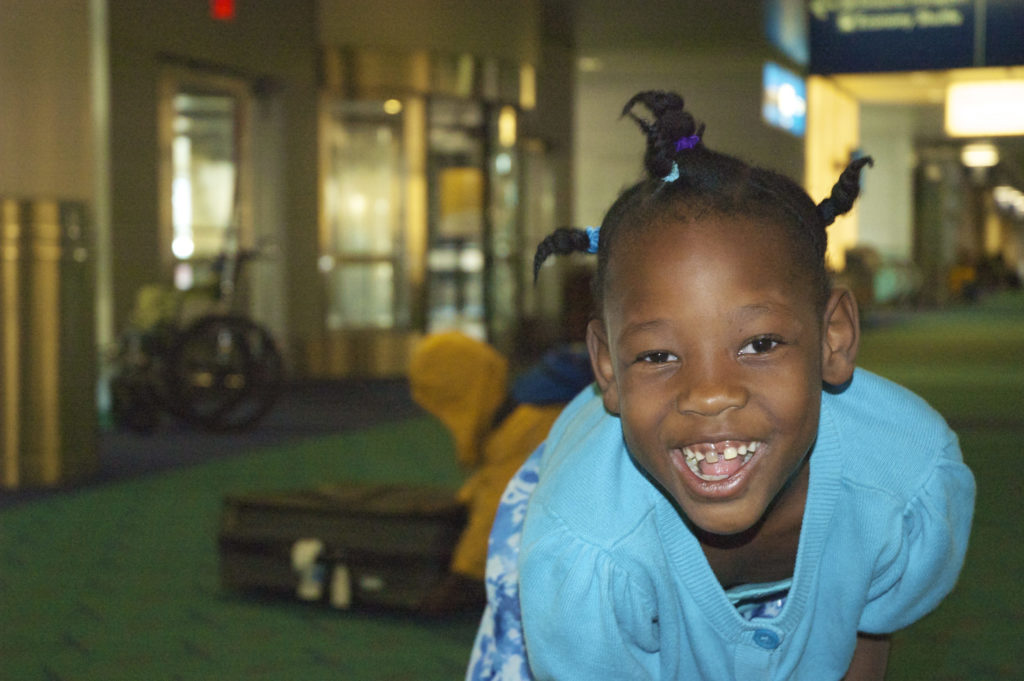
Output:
x,y
46,147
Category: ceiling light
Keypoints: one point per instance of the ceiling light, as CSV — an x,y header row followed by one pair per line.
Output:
x,y
985,108
1005,195
979,155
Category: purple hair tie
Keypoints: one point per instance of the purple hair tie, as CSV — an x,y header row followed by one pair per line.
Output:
x,y
593,233
687,142
682,143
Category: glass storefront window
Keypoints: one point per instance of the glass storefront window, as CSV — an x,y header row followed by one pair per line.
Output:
x,y
363,240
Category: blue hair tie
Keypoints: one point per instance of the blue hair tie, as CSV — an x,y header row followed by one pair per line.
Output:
x,y
593,233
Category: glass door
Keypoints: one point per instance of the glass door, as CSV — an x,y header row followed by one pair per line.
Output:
x,y
362,250
205,188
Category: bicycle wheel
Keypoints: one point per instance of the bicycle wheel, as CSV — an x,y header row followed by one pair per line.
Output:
x,y
223,373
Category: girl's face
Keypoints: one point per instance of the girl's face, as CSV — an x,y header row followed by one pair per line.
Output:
x,y
713,354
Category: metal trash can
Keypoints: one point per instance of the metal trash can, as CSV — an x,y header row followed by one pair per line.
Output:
x,y
48,423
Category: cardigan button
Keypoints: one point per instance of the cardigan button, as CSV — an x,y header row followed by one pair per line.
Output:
x,y
767,639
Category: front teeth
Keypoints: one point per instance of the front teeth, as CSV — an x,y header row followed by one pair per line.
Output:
x,y
694,457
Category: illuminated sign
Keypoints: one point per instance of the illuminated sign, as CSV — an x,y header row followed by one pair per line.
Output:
x,y
858,36
976,108
784,99
222,10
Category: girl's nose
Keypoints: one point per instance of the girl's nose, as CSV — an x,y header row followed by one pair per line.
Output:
x,y
710,391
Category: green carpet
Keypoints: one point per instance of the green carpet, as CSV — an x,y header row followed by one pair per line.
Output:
x,y
969,364
120,581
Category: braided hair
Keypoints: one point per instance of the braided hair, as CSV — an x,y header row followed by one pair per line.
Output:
x,y
686,180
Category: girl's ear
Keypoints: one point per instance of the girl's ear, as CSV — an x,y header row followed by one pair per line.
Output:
x,y
601,362
841,337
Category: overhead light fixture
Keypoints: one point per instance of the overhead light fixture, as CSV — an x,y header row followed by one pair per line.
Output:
x,y
985,108
979,155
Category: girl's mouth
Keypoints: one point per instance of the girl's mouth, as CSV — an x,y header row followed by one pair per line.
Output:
x,y
715,461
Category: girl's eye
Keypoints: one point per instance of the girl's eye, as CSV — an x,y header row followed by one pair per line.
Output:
x,y
655,357
760,345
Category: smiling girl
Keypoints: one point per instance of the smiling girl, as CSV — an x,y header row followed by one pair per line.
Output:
x,y
733,500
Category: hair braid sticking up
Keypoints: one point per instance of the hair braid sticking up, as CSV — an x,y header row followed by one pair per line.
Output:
x,y
562,241
844,192
671,123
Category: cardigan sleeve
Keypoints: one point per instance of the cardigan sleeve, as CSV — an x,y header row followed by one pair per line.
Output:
x,y
929,553
584,617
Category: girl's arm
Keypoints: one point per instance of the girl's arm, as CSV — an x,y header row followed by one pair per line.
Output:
x,y
870,658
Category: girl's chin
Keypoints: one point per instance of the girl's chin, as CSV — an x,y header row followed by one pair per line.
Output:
x,y
722,527
724,518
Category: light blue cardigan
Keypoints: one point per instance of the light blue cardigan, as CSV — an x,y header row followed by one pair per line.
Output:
x,y
614,586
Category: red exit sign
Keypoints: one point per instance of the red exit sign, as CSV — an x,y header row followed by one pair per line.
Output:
x,y
222,10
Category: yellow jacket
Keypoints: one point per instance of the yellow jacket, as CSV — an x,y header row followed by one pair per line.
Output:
x,y
463,382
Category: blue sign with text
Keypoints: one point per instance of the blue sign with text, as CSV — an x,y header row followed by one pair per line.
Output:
x,y
856,36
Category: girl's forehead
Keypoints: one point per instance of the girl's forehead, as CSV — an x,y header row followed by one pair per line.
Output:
x,y
741,253
724,237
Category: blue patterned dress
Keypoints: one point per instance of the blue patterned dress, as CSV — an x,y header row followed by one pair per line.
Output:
x,y
499,653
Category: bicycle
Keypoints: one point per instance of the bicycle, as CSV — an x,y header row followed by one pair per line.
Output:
x,y
221,372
